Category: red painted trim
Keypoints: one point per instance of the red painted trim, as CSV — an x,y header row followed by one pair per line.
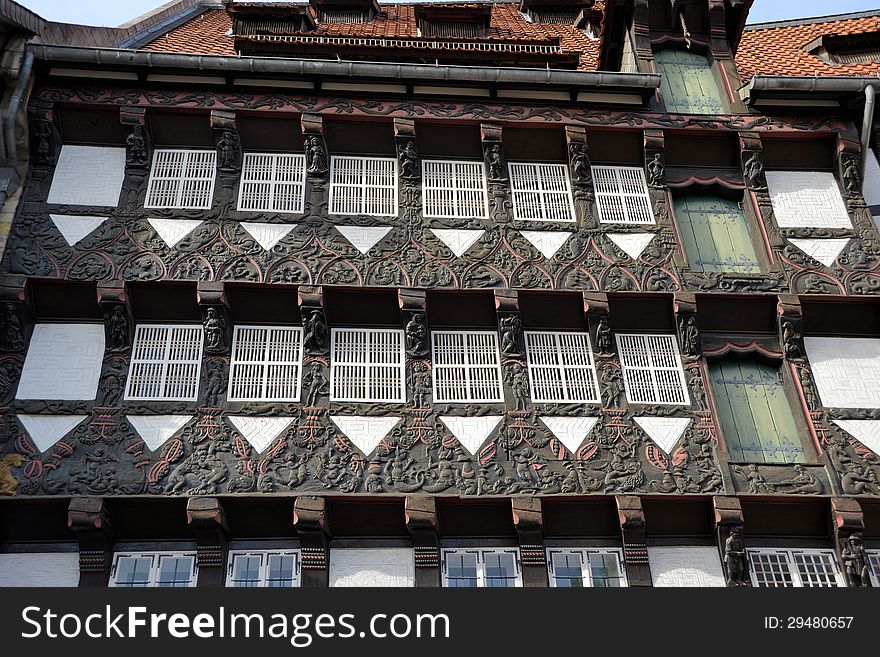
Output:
x,y
760,221
806,409
748,348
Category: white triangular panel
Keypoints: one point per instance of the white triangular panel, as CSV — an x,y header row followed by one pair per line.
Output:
x,y
631,243
825,251
260,431
547,242
471,431
75,227
664,431
571,431
156,429
173,230
866,432
363,431
458,241
267,235
46,430
364,238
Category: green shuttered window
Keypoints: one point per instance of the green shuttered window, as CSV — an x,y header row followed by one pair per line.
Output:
x,y
715,235
687,83
755,416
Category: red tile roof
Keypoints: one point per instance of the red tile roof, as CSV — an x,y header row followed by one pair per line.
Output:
x,y
778,48
207,33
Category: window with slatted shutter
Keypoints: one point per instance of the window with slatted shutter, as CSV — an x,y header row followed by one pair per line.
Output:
x,y
272,182
165,363
541,192
622,195
363,185
367,365
266,364
561,367
467,366
182,179
454,189
652,371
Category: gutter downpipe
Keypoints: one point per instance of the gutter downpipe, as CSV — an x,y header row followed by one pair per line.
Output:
x,y
24,76
867,122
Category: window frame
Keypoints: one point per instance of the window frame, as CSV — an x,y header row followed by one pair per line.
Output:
x,y
627,368
362,186
165,362
265,557
265,363
298,166
789,554
481,564
562,367
181,180
643,197
874,567
541,178
467,366
454,189
336,363
155,557
586,571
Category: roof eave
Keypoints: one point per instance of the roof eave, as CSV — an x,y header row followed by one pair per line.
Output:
x,y
803,91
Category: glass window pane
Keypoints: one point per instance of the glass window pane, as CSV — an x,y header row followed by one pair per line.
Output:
x,y
174,572
282,571
568,570
500,570
246,571
605,570
461,570
133,572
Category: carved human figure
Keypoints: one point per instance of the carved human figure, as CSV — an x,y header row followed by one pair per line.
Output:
x,y
227,150
495,162
580,162
420,380
790,341
315,383
44,137
11,336
416,335
855,562
520,386
215,385
656,171
315,339
757,482
852,177
690,336
511,332
118,329
215,332
753,170
135,147
858,481
735,558
316,158
409,161
612,386
603,336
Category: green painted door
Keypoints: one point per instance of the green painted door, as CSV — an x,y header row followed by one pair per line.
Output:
x,y
687,83
755,416
715,235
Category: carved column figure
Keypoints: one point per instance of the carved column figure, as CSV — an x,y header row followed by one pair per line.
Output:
x,y
635,547
310,517
755,178
316,344
45,136
685,308
790,318
513,350
89,520
414,319
118,323
421,521
206,518
581,175
228,142
528,522
500,204
655,166
15,314
317,168
731,544
138,144
215,316
849,524
410,172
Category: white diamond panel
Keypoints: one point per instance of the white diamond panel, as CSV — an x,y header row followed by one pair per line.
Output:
x,y
807,199
365,432
471,432
846,371
46,430
75,227
63,362
372,567
88,175
689,567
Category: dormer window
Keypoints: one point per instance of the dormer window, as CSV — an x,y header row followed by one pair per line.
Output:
x,y
262,21
577,13
340,12
470,22
837,49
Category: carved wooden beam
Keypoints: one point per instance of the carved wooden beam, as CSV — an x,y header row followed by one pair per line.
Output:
x,y
685,309
16,314
207,519
790,326
730,540
89,520
849,524
421,521
313,528
581,175
528,522
635,547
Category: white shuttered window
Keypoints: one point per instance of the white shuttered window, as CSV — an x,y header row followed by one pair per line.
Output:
x,y
182,179
622,195
561,367
272,182
467,366
363,185
367,365
266,363
454,189
771,568
652,371
165,363
541,192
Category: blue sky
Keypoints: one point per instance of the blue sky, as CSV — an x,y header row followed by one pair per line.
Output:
x,y
114,12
